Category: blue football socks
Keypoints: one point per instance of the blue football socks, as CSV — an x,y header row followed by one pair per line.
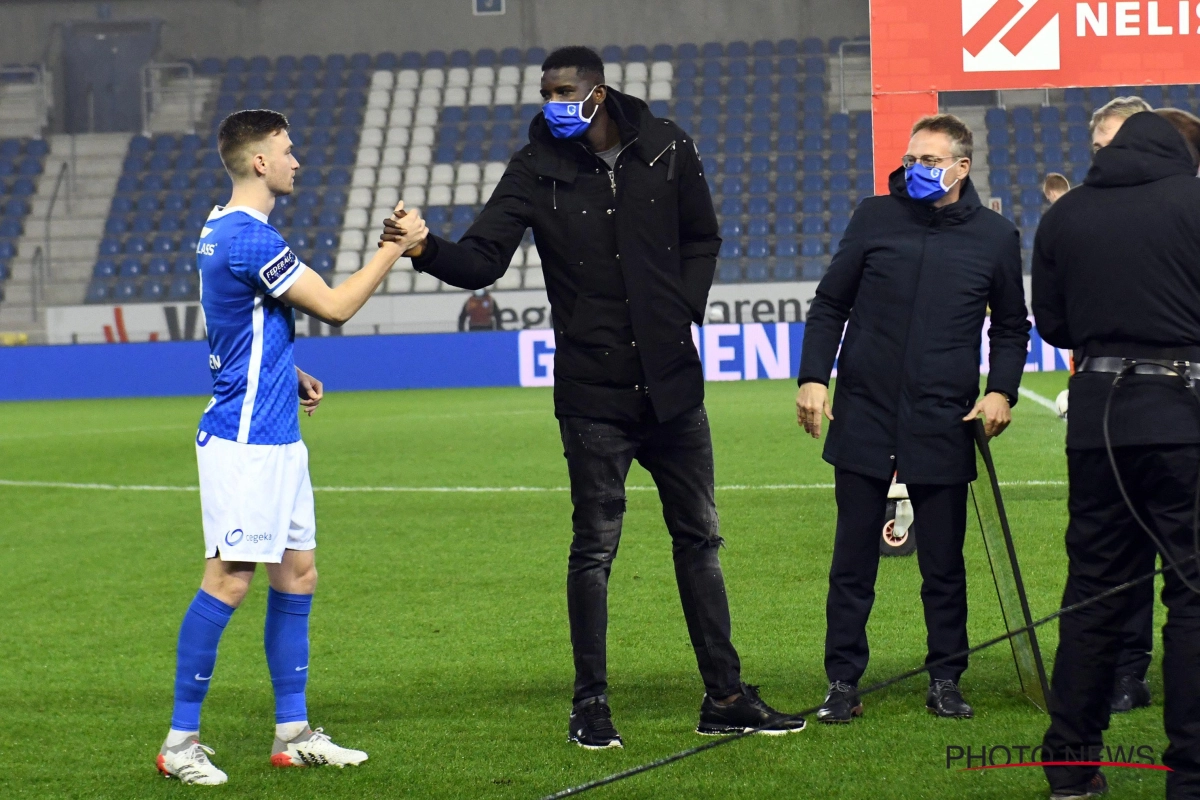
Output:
x,y
199,636
285,638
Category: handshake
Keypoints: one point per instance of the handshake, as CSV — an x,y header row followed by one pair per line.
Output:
x,y
405,230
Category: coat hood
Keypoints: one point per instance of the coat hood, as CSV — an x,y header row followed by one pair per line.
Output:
x,y
966,207
1146,149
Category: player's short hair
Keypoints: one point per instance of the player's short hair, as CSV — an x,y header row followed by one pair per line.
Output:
x,y
962,141
1123,107
1188,125
584,59
243,128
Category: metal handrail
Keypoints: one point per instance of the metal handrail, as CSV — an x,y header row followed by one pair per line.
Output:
x,y
63,172
37,280
154,77
842,67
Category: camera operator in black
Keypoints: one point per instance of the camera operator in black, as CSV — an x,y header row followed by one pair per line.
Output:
x,y
1116,273
624,223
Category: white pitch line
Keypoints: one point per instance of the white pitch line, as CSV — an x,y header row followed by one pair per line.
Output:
x,y
1039,399
112,487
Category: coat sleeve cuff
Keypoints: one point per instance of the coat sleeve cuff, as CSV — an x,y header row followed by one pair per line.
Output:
x,y
421,262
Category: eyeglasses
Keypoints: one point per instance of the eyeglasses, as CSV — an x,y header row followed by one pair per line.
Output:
x,y
926,161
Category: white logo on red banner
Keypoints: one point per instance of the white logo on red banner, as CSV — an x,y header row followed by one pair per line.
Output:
x,y
1011,35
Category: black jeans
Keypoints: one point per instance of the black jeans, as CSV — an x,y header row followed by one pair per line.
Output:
x,y
1105,548
678,455
940,520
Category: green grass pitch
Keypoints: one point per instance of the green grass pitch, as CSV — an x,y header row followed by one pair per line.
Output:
x,y
439,631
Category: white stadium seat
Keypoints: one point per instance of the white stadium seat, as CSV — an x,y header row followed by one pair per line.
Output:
x,y
401,117
613,74
367,157
371,137
359,200
379,98
423,282
339,278
355,218
531,95
429,98
468,173
433,78
383,79
532,257
661,71
393,154
614,85
403,98
494,171
455,96
509,280
636,72
479,96
533,75
506,96
534,279
426,116
363,177
439,195
458,76
660,90
420,154
348,261
353,239
483,76
423,134
466,194
441,175
516,262
413,197
398,137
416,176
408,79
403,265
508,76
399,282
375,118
485,193
636,89
388,176
387,195
378,215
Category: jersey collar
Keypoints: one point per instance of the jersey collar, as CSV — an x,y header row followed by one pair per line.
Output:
x,y
220,211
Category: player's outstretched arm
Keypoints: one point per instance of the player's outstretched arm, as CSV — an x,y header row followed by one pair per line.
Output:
x,y
335,306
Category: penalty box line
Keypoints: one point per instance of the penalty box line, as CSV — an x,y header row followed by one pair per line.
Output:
x,y
766,487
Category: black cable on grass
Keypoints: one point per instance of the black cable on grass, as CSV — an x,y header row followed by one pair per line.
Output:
x,y
662,762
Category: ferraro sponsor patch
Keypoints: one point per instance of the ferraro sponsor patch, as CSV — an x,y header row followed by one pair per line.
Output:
x,y
278,268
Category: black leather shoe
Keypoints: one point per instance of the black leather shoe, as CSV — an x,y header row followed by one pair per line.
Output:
x,y
591,725
747,713
1097,786
1130,692
945,700
842,704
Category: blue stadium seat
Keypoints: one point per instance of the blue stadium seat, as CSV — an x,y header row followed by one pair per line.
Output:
x,y
813,163
709,126
1025,155
758,248
999,179
710,107
865,183
1023,136
1077,115
731,229
759,164
760,185
1027,238
115,226
785,204
785,270
731,185
1078,134
410,60
1178,95
1080,153
786,163
812,247
840,162
840,204
1022,116
181,289
785,225
760,144
1051,135
1032,197
838,224
1098,96
130,268
1052,158
999,157
813,183
787,144
97,292
731,207
814,104
104,269
812,204
735,165
1027,176
758,226
813,85
730,249
158,266
998,137
759,206
663,52
1078,173
1030,218
729,273
757,270
996,118
109,246
734,146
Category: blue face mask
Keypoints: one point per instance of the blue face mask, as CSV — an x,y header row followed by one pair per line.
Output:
x,y
566,119
925,184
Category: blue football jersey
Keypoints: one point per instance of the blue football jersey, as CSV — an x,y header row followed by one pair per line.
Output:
x,y
245,266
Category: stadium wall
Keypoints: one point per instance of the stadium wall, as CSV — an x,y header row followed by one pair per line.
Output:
x,y
223,28
728,352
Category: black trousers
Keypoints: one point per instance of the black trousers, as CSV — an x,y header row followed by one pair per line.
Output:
x,y
940,514
1137,635
1105,548
678,455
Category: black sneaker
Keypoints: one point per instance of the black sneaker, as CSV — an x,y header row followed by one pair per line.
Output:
x,y
1130,692
842,704
746,713
945,700
591,725
1097,786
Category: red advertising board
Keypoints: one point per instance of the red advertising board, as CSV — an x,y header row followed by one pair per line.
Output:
x,y
920,48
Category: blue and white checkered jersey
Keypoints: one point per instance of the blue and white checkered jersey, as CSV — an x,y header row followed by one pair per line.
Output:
x,y
245,266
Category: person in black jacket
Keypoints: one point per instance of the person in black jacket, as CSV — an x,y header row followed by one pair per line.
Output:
x,y
1116,274
914,276
624,224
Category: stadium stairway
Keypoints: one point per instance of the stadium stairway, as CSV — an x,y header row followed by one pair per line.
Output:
x,y
75,233
22,112
170,103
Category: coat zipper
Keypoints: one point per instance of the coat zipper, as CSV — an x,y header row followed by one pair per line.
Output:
x,y
654,160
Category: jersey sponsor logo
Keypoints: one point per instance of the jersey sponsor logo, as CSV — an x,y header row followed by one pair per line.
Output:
x,y
278,268
234,537
238,536
206,249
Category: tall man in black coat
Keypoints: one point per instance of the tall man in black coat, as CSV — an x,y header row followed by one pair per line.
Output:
x,y
914,276
624,224
1116,273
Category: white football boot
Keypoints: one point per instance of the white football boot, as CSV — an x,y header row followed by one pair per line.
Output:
x,y
189,763
312,748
